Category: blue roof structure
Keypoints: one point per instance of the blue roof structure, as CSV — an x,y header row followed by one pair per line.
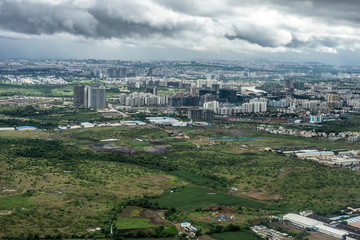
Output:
x,y
339,217
317,152
193,228
160,118
185,224
25,127
354,219
139,122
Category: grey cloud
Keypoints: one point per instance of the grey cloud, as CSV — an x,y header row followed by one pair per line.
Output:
x,y
190,24
268,38
25,17
97,22
315,42
261,36
334,11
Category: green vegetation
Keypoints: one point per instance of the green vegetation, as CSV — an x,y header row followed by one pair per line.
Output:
x,y
248,235
197,197
49,118
171,230
16,201
133,223
70,180
41,90
198,179
350,124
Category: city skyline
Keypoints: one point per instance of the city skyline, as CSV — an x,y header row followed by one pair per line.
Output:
x,y
324,31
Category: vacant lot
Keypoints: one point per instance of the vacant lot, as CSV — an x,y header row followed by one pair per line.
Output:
x,y
235,235
197,197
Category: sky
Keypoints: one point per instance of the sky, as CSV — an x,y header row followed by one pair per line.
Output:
x,y
326,31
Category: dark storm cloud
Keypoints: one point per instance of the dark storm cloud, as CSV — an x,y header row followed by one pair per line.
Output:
x,y
214,26
97,22
32,18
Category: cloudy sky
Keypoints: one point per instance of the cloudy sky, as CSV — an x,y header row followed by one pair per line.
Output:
x,y
288,30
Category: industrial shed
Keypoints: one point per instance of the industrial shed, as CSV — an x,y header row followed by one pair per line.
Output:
x,y
301,221
330,231
306,222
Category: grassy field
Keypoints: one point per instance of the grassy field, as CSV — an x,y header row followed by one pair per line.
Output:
x,y
198,179
49,118
235,235
133,223
197,197
261,138
16,201
36,90
69,181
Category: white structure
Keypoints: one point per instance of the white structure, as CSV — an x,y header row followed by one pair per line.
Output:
x,y
305,222
214,105
316,119
301,221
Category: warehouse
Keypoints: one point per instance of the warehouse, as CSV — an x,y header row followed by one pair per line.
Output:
x,y
301,221
315,154
306,222
330,231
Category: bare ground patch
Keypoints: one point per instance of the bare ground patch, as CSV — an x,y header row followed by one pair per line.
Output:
x,y
111,147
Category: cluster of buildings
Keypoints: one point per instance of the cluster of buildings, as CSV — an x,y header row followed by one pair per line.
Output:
x,y
51,80
90,96
349,135
349,158
188,229
256,105
139,99
20,128
308,221
269,233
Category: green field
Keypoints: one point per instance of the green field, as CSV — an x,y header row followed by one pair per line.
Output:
x,y
17,201
197,179
246,235
72,182
133,223
197,197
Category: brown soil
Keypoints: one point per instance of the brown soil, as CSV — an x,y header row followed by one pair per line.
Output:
x,y
160,149
111,147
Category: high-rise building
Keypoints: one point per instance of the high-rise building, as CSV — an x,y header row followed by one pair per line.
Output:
x,y
79,98
96,96
289,83
333,97
193,90
215,87
190,101
206,91
229,95
214,105
201,114
90,96
316,119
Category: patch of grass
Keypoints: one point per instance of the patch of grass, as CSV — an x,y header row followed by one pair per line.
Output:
x,y
180,143
133,223
197,179
139,145
248,235
197,197
171,230
17,201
